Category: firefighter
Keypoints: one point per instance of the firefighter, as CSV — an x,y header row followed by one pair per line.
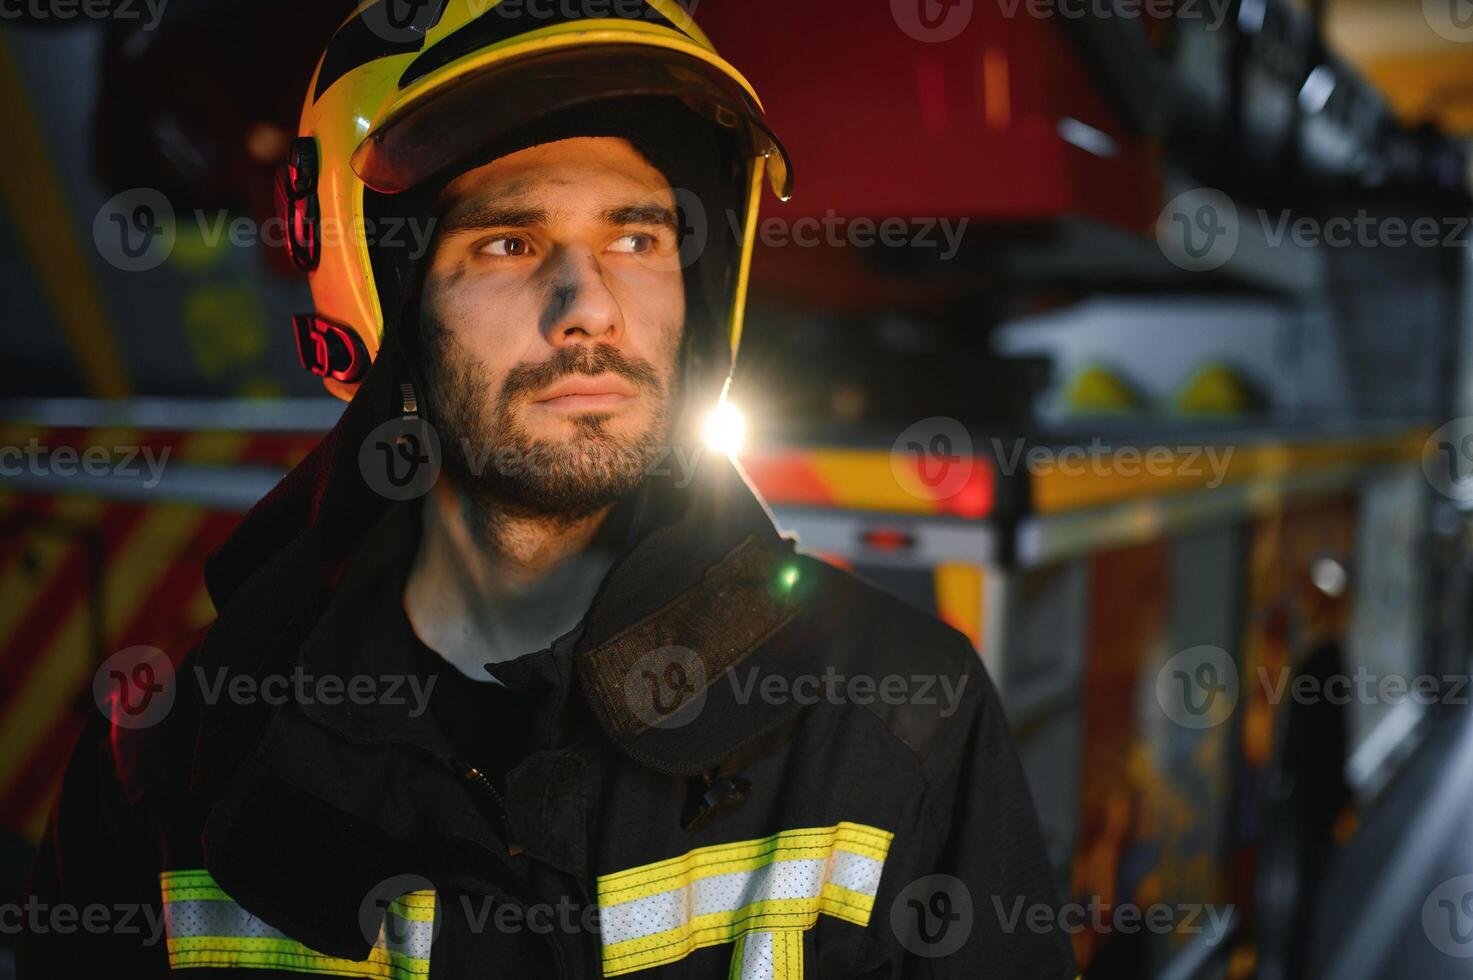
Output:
x,y
508,677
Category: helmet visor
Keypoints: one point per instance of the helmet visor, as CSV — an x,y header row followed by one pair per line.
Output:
x,y
432,133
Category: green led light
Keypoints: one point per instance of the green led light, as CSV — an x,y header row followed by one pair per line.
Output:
x,y
790,576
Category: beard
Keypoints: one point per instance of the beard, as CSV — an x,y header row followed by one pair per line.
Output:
x,y
501,466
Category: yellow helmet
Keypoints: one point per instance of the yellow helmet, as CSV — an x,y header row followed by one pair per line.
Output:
x,y
407,88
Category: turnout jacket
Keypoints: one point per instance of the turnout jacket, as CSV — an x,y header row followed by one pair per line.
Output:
x,y
747,763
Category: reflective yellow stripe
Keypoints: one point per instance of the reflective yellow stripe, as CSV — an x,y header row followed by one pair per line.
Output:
x,y
415,906
206,928
226,952
625,886
184,886
787,955
659,913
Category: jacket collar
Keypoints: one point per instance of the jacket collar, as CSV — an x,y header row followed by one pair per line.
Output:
x,y
700,586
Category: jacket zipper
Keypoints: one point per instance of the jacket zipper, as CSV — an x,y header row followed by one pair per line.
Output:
x,y
487,791
483,787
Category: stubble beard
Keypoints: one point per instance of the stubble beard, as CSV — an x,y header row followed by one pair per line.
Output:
x,y
502,468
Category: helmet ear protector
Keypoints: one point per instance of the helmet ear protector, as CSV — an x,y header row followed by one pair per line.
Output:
x,y
327,349
299,209
393,105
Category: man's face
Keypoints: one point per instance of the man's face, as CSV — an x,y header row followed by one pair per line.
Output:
x,y
552,317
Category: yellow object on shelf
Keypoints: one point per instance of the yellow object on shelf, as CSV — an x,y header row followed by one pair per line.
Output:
x,y
1096,390
1215,389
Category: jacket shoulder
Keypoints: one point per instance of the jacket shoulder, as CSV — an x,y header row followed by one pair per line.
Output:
x,y
926,677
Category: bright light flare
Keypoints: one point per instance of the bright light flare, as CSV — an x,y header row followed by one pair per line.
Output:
x,y
725,428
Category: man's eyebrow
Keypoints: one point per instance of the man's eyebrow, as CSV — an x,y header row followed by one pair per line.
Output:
x,y
492,215
643,214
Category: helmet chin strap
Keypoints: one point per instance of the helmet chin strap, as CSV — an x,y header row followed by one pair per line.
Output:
x,y
410,400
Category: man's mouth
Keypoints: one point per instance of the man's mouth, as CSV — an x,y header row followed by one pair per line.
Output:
x,y
586,393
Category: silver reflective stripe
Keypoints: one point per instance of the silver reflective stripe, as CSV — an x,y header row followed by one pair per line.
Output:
x,y
197,917
775,955
729,892
754,957
207,929
856,872
207,918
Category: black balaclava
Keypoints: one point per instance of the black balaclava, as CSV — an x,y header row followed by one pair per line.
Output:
x,y
696,158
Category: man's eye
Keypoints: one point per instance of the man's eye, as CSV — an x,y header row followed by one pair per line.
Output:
x,y
509,246
635,243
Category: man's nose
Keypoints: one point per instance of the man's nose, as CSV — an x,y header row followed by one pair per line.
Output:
x,y
580,306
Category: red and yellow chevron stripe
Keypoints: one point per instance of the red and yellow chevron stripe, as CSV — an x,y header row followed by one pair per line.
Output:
x,y
82,577
860,479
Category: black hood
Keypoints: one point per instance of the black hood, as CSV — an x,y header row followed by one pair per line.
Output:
x,y
274,578
691,531
328,491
